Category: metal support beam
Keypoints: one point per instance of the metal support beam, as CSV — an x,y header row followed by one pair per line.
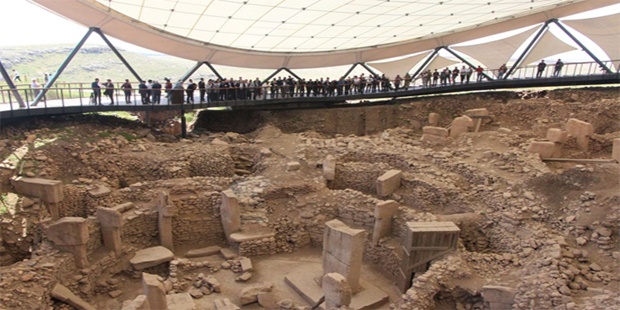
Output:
x,y
466,62
351,69
426,62
62,67
585,49
9,82
527,49
213,70
292,73
368,68
183,124
117,53
272,75
187,75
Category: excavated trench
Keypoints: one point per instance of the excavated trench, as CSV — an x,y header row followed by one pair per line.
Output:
x,y
505,202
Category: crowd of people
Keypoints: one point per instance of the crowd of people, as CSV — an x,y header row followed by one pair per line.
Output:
x,y
222,89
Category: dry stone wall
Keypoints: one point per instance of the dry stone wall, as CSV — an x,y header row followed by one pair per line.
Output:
x,y
198,219
358,176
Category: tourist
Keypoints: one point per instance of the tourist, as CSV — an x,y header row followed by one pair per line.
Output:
x,y
189,91
479,74
541,68
156,92
127,91
109,91
96,94
455,74
557,69
143,90
36,90
501,71
16,76
168,88
202,89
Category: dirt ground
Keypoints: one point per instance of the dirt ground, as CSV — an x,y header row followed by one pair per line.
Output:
x,y
524,208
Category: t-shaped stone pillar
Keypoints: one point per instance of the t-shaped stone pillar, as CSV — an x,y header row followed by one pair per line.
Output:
x,y
111,222
230,213
384,211
166,212
50,192
336,290
70,234
343,248
154,291
581,131
461,125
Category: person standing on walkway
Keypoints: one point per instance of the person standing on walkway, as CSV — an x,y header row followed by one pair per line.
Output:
x,y
143,90
541,68
189,90
479,75
96,95
156,95
36,90
109,91
557,69
202,88
127,90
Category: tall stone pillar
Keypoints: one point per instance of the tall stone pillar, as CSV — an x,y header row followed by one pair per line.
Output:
x,y
581,131
111,222
384,211
343,249
336,290
70,234
154,291
230,213
166,212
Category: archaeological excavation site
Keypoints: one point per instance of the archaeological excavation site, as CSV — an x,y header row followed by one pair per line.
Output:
x,y
481,201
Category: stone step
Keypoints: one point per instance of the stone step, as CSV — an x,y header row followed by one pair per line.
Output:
x,y
208,251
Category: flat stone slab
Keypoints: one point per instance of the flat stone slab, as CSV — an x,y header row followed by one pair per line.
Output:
x,y
48,190
208,251
99,191
249,236
300,280
150,257
227,253
182,301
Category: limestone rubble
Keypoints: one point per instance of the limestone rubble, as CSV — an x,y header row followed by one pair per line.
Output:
x,y
533,234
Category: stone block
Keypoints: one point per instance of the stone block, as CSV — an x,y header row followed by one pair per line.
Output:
x,y
460,125
64,294
615,151
293,166
343,250
230,213
109,217
436,131
68,231
208,251
329,168
250,293
150,257
224,304
384,211
433,119
388,183
227,253
246,264
154,291
557,135
336,290
139,303
48,190
577,128
99,191
477,112
544,148
181,301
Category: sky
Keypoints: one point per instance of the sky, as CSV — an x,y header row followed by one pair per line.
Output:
x,y
33,25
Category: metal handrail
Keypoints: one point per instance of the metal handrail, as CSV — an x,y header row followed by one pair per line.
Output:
x,y
70,94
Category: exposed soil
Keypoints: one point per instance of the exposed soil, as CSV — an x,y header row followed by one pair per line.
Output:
x,y
549,231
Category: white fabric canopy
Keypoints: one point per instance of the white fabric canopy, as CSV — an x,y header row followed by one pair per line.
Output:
x,y
502,49
604,31
440,62
548,45
398,67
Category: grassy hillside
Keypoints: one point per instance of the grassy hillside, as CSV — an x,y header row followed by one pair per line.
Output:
x,y
90,62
